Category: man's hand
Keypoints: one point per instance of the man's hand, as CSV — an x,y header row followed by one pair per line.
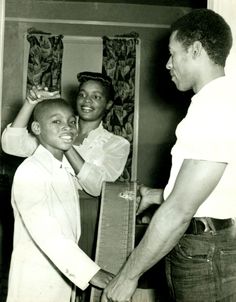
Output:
x,y
39,93
148,196
101,279
119,289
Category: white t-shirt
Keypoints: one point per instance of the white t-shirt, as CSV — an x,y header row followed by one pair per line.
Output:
x,y
208,132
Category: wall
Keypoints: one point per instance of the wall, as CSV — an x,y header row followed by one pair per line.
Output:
x,y
161,106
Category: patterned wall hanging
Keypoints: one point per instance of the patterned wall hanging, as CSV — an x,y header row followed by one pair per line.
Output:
x,y
45,61
119,61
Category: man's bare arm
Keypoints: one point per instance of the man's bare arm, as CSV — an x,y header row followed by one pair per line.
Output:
x,y
195,182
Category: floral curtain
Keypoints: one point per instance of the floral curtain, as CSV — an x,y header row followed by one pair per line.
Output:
x,y
45,61
119,58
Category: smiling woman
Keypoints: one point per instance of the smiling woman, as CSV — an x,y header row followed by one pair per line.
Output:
x,y
98,155
95,97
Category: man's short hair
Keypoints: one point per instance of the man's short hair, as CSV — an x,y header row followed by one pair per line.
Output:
x,y
209,28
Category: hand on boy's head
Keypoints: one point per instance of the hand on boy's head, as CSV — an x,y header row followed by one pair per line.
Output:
x,y
39,93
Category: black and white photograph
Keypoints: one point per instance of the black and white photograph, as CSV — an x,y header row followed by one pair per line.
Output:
x,y
118,151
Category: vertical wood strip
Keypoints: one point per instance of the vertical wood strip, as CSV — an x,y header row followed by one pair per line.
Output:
x,y
116,230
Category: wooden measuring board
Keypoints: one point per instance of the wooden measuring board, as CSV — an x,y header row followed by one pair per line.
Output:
x,y
116,229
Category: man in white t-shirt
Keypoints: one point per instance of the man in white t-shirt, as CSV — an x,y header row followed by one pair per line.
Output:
x,y
193,228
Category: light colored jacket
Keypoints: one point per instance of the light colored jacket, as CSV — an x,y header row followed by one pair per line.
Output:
x,y
46,260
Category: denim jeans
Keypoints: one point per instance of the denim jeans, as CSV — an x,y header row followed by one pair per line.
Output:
x,y
203,267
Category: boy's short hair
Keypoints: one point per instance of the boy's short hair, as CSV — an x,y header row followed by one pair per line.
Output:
x,y
209,28
104,79
47,103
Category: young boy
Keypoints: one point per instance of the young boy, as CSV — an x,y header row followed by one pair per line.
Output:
x,y
46,260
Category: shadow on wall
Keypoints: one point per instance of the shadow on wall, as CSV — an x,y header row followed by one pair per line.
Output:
x,y
165,90
170,106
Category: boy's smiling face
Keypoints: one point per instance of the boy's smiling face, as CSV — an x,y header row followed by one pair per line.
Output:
x,y
56,128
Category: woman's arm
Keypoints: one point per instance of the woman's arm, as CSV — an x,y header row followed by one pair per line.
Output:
x,y
16,140
103,164
35,96
23,116
75,159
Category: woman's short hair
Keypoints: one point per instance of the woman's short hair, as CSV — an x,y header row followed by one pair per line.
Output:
x,y
104,79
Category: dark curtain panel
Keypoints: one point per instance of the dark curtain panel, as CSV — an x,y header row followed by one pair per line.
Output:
x,y
119,58
45,61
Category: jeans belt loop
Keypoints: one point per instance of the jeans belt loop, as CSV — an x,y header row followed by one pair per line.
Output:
x,y
211,225
208,224
194,226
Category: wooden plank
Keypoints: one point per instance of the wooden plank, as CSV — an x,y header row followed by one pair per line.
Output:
x,y
116,229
